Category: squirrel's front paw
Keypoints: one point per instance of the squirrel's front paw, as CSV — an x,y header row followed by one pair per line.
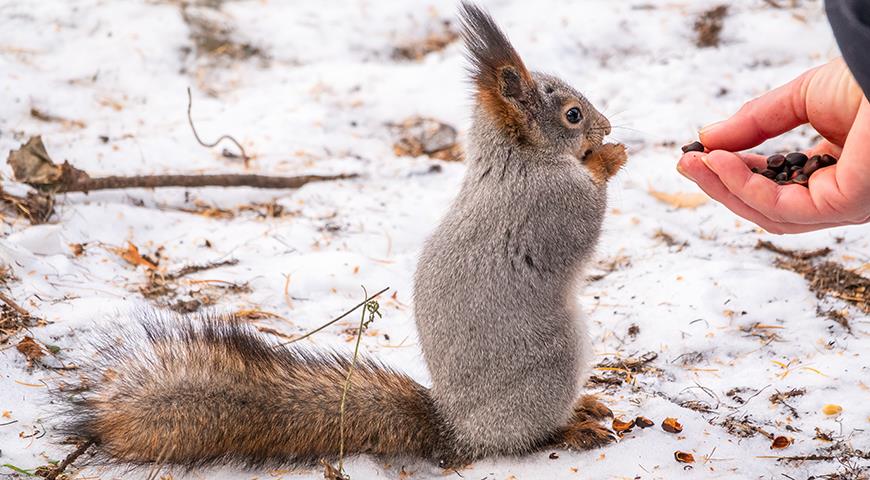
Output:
x,y
587,435
605,161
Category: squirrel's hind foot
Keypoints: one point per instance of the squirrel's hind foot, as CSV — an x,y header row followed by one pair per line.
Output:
x,y
584,431
586,435
589,408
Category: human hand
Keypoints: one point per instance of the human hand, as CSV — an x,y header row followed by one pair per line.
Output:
x,y
829,99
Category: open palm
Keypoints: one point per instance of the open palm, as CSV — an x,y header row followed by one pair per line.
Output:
x,y
829,99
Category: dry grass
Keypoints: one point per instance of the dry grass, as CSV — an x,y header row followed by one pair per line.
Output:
x,y
435,40
832,279
708,26
426,136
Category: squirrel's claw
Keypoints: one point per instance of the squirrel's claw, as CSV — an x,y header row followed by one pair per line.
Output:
x,y
588,407
587,435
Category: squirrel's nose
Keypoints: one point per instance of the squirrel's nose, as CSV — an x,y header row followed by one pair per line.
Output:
x,y
606,125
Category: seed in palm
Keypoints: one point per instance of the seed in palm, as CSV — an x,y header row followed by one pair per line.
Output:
x,y
794,168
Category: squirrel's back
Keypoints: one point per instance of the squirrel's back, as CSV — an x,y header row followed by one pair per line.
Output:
x,y
197,390
495,287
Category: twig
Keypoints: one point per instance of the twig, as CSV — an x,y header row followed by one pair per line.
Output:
x,y
780,397
287,298
796,254
815,457
245,157
334,320
14,306
32,165
710,455
193,268
225,180
69,459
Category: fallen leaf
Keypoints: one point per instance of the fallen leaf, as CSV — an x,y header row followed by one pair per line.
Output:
x,y
31,163
427,136
272,331
254,314
780,442
679,199
30,349
131,255
620,426
684,457
671,425
77,249
643,422
831,409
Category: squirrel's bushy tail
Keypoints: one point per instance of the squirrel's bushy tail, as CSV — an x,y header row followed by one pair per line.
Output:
x,y
203,390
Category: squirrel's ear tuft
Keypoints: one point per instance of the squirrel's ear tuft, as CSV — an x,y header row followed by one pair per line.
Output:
x,y
502,81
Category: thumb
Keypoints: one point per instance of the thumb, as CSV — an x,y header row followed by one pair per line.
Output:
x,y
768,116
853,169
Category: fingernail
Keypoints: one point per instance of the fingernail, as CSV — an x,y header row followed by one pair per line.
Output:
x,y
706,160
709,127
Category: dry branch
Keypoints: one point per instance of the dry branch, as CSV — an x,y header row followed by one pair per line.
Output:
x,y
222,180
816,457
32,165
13,305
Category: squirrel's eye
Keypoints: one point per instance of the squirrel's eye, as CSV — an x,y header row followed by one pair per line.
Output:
x,y
573,115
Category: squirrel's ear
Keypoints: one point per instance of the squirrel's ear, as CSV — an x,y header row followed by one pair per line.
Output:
x,y
502,81
510,82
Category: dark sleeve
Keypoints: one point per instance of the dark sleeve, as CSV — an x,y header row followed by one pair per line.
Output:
x,y
850,20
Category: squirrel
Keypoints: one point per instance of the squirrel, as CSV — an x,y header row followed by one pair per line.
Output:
x,y
494,298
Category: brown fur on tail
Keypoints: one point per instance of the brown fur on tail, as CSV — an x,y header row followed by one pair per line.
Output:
x,y
211,390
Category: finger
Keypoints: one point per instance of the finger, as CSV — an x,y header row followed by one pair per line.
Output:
x,y
691,167
825,147
753,160
765,117
853,168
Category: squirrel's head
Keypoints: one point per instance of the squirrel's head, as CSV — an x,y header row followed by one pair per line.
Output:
x,y
529,108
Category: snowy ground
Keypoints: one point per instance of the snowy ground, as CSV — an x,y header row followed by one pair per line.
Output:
x,y
315,95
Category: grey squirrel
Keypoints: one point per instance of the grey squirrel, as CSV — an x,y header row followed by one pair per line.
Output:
x,y
494,304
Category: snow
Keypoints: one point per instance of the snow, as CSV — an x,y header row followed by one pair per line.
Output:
x,y
318,100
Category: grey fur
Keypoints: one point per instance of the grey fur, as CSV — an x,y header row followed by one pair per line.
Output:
x,y
496,284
